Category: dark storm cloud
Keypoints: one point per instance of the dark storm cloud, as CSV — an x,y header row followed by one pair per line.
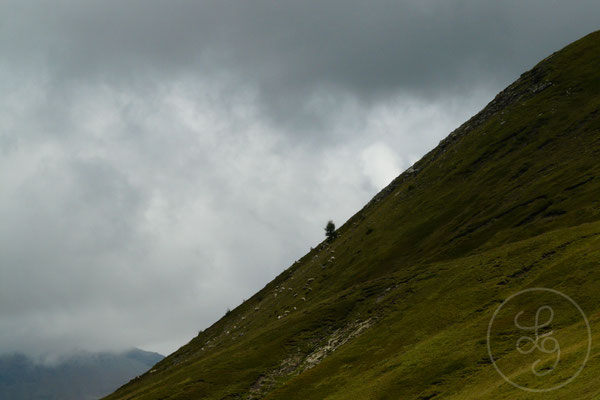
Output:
x,y
290,49
162,160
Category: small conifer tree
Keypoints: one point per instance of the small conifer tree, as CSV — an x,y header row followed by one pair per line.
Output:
x,y
330,231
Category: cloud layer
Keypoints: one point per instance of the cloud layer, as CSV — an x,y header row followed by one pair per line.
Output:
x,y
161,161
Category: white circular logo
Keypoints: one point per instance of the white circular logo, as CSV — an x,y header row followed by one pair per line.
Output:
x,y
547,329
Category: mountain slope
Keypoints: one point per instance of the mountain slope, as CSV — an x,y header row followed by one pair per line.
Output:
x,y
398,305
83,376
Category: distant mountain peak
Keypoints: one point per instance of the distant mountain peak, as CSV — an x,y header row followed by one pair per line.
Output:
x,y
83,375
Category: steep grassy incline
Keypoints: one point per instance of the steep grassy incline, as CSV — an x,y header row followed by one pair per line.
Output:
x,y
397,307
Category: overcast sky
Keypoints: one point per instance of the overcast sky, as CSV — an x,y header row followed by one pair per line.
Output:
x,y
160,161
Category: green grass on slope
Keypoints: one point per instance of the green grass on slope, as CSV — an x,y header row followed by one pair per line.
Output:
x,y
509,200
438,345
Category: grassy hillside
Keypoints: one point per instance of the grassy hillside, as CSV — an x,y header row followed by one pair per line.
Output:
x,y
398,306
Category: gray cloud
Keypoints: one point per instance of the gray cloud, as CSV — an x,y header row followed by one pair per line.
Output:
x,y
161,161
367,47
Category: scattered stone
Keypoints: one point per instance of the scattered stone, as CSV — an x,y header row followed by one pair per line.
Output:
x,y
541,86
337,339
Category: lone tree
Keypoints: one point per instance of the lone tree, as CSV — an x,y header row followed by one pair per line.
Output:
x,y
330,230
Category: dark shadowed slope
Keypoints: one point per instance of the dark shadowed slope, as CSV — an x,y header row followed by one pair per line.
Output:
x,y
86,376
397,307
